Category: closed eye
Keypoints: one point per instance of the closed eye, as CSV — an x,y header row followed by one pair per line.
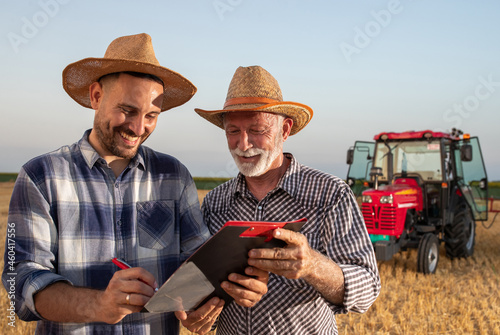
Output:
x,y
232,131
152,116
258,131
127,109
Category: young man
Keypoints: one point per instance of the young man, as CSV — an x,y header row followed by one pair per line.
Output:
x,y
109,196
327,268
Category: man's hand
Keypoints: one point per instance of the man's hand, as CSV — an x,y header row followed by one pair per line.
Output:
x,y
246,291
126,293
296,260
249,290
201,320
299,260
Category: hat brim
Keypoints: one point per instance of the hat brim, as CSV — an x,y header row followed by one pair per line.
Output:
x,y
78,76
299,113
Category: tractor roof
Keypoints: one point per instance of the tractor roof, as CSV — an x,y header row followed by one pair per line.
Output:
x,y
414,135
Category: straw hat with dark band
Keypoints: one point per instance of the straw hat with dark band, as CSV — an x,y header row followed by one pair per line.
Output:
x,y
128,53
254,89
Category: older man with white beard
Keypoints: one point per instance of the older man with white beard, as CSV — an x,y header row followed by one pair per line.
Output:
x,y
328,267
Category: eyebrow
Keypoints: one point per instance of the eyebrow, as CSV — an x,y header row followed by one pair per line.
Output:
x,y
125,105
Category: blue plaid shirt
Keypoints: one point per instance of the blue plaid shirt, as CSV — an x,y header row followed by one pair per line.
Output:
x,y
72,216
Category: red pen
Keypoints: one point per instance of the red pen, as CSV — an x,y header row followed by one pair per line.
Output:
x,y
123,265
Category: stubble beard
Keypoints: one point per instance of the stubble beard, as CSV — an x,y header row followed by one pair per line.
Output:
x,y
107,137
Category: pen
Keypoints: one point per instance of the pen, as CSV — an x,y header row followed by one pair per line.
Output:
x,y
123,265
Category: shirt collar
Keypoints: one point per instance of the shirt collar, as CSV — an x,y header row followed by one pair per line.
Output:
x,y
289,182
91,156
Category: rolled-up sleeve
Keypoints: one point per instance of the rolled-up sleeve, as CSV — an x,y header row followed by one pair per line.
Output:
x,y
32,242
349,245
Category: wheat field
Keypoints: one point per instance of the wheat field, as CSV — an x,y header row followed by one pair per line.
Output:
x,y
463,297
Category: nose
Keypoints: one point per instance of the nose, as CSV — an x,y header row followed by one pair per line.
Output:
x,y
244,141
138,125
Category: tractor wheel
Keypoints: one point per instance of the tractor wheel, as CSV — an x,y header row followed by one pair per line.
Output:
x,y
428,254
460,235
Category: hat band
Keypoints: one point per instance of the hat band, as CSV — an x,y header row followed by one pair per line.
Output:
x,y
249,100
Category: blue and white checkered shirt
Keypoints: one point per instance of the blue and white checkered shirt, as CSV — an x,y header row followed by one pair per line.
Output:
x,y
334,227
72,216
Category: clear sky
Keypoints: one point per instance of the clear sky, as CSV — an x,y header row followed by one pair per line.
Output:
x,y
363,66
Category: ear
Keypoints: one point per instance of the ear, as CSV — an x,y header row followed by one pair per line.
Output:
x,y
287,127
95,94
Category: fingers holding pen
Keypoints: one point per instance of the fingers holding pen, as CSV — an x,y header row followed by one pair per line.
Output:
x,y
135,280
127,292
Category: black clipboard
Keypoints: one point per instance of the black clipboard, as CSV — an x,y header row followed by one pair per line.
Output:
x,y
198,279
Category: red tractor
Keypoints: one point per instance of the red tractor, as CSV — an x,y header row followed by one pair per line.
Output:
x,y
417,189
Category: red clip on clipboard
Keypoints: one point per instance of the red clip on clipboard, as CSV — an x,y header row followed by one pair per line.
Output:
x,y
264,228
198,279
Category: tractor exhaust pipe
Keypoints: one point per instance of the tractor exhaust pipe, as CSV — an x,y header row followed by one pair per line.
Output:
x,y
376,172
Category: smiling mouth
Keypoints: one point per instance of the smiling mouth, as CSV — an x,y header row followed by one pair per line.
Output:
x,y
128,138
248,157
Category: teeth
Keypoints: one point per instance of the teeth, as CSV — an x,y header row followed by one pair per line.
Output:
x,y
128,137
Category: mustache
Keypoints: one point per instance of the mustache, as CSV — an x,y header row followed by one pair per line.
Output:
x,y
248,153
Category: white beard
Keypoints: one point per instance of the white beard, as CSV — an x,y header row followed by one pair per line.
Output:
x,y
267,157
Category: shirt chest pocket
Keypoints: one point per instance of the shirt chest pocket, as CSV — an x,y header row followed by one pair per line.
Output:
x,y
155,223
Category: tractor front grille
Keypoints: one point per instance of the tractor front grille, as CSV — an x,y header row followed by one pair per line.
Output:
x,y
379,219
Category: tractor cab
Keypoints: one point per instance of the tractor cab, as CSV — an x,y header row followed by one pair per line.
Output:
x,y
412,184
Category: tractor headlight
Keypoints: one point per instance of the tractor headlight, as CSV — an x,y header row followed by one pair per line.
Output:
x,y
366,199
387,199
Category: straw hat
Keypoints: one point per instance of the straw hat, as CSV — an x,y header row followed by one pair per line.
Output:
x,y
128,53
254,89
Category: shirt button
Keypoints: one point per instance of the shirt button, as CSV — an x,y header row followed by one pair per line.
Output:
x,y
119,222
116,185
260,207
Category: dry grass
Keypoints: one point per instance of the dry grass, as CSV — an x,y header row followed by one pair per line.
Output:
x,y
463,297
